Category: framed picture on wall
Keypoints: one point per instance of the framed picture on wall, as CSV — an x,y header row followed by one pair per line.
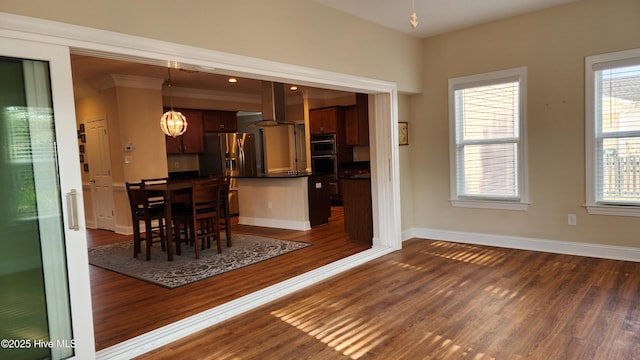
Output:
x,y
403,133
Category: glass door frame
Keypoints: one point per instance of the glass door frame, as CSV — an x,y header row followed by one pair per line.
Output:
x,y
75,240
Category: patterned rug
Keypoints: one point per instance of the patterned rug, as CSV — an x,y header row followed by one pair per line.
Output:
x,y
185,268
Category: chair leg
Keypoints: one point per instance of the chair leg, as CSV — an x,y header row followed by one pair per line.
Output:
x,y
136,238
208,226
227,219
163,234
216,234
227,226
148,237
176,237
195,238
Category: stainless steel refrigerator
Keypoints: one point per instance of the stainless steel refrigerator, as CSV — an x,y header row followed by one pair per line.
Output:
x,y
231,154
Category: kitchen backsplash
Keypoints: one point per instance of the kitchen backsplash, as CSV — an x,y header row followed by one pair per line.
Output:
x,y
178,163
361,153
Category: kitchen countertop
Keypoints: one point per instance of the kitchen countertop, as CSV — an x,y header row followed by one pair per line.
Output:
x,y
278,175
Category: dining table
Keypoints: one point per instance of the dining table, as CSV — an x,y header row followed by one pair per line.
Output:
x,y
174,193
171,191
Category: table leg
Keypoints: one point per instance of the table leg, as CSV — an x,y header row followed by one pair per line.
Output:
x,y
169,224
227,221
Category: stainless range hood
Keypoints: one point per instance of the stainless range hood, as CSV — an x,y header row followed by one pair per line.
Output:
x,y
273,105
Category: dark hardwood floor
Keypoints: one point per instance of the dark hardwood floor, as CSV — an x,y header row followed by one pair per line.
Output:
x,y
439,300
124,307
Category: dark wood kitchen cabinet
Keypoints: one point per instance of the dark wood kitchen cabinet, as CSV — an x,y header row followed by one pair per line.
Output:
x,y
358,215
220,121
192,141
356,119
319,199
326,120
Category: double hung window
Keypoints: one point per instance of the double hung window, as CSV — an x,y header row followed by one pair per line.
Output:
x,y
487,139
613,133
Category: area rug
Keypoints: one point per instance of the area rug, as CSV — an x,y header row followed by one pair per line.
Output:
x,y
185,268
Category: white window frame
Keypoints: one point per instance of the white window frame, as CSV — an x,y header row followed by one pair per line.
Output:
x,y
516,74
593,64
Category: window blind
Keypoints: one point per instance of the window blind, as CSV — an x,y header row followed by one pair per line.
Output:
x,y
617,134
487,140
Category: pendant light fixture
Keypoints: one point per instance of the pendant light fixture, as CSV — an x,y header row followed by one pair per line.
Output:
x,y
413,20
172,123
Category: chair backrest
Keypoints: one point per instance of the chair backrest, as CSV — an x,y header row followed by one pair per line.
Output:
x,y
205,196
154,199
137,197
224,184
155,181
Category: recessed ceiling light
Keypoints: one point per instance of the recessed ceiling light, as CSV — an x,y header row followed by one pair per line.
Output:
x,y
233,80
293,88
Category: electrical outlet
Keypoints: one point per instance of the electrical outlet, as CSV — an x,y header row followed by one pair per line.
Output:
x,y
269,204
571,219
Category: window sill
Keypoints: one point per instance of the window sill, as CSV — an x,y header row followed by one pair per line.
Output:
x,y
613,210
488,204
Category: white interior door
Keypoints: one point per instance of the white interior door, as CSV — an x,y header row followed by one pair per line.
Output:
x,y
100,172
45,301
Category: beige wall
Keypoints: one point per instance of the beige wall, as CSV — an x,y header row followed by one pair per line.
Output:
x,y
552,44
288,31
132,116
406,164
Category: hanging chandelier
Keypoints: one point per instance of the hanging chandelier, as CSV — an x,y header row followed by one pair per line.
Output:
x,y
172,123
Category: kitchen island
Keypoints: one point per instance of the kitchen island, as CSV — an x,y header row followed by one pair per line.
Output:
x,y
295,201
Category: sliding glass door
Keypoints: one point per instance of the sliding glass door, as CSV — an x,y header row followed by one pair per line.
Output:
x,y
45,307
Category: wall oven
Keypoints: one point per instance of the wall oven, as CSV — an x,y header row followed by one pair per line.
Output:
x,y
324,159
323,144
325,164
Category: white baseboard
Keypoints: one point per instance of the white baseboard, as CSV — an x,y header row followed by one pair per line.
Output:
x,y
156,338
275,223
127,230
523,243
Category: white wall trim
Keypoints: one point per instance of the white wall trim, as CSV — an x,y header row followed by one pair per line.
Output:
x,y
524,243
156,338
275,223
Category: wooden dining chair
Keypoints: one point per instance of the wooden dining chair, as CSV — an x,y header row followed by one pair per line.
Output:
x,y
224,219
149,212
203,218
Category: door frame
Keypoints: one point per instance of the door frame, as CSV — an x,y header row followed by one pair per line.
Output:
x,y
75,241
383,111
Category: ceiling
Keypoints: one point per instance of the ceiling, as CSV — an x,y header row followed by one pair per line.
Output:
x,y
437,16
90,71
